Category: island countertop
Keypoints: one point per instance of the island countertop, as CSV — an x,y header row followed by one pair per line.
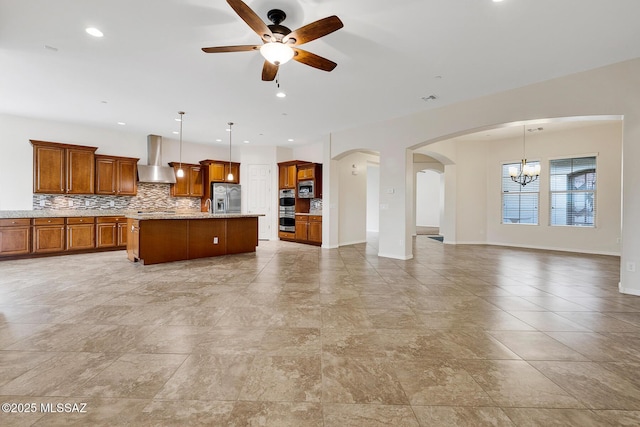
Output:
x,y
68,213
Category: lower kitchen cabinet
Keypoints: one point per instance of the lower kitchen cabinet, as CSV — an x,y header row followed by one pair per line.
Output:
x,y
81,233
111,232
48,235
315,229
14,236
309,229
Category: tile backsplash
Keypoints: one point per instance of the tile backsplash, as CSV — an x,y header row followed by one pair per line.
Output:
x,y
316,205
150,197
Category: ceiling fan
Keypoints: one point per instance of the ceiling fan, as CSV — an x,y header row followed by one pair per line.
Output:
x,y
280,44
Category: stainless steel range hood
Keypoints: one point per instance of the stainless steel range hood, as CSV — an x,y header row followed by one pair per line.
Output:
x,y
154,172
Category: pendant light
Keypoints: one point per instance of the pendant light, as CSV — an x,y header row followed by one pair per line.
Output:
x,y
527,173
230,176
180,172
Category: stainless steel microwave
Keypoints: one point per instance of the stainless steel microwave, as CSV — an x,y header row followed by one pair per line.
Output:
x,y
306,189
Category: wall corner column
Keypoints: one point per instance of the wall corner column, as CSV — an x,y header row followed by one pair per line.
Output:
x,y
396,202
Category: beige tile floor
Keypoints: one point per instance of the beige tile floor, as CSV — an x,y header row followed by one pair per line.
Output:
x,y
299,336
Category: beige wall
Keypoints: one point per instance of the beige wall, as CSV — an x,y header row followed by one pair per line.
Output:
x,y
607,91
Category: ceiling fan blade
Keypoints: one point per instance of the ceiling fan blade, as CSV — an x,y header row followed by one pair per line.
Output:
x,y
219,49
313,31
313,60
250,17
269,71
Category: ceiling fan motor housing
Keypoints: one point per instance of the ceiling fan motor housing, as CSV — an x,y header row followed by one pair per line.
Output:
x,y
277,16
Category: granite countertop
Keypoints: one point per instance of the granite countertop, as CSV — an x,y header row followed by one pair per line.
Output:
x,y
47,213
310,213
188,215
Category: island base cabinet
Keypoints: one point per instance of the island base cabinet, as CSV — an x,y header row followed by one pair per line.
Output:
x,y
242,235
207,237
155,241
162,240
14,237
133,240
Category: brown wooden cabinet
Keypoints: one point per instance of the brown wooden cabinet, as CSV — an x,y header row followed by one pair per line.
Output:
x,y
116,175
315,229
190,185
287,175
302,228
111,232
123,233
14,236
306,171
133,239
81,233
63,168
48,235
309,229
218,170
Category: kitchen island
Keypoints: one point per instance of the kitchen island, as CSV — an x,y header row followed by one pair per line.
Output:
x,y
157,238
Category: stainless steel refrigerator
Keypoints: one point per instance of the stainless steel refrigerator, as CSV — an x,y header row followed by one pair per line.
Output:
x,y
226,198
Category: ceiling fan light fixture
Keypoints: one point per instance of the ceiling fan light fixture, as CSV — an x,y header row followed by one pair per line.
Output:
x,y
276,52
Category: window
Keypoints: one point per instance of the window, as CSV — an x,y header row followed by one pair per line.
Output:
x,y
573,191
519,202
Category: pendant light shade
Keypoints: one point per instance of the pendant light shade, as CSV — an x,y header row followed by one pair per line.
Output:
x,y
230,176
180,172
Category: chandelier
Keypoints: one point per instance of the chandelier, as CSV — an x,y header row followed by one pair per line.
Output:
x,y
527,173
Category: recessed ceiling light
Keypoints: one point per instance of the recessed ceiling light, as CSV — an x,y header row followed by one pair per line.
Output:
x,y
218,140
290,139
228,129
281,95
175,132
497,1
178,119
245,141
94,32
121,123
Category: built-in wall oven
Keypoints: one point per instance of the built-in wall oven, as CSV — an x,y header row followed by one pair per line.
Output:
x,y
287,215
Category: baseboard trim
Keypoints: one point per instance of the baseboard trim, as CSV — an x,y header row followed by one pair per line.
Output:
x,y
543,248
383,255
626,291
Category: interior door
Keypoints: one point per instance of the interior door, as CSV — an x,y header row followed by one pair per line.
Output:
x,y
259,198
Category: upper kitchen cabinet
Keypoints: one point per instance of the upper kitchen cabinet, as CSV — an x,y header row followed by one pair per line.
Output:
x,y
307,171
116,175
190,185
218,170
63,168
287,174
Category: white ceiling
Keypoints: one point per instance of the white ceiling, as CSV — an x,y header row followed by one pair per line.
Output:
x,y
390,54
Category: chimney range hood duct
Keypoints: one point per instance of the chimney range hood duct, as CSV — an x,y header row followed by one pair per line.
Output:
x,y
154,172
